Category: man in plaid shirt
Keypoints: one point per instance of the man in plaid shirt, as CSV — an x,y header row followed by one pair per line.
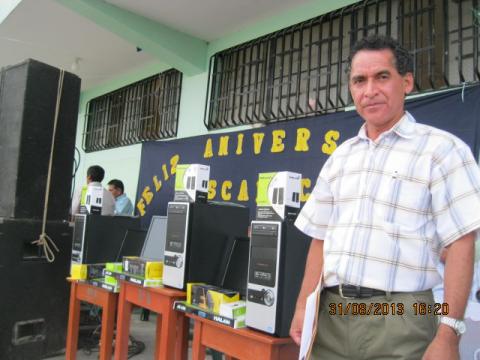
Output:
x,y
385,205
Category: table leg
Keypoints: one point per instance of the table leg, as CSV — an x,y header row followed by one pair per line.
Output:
x,y
167,334
181,345
198,350
123,326
108,324
73,324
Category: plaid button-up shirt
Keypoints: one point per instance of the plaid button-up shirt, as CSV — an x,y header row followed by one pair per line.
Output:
x,y
385,208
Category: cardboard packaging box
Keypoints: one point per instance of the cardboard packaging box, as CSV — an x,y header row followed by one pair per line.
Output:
x,y
145,268
210,297
278,196
191,183
86,271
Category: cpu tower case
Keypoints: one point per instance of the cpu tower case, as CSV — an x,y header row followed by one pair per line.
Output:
x,y
98,239
278,252
198,235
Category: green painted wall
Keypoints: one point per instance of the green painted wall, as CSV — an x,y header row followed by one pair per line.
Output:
x,y
124,162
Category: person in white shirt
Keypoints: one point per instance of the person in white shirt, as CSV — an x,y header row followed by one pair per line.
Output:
x,y
95,175
385,204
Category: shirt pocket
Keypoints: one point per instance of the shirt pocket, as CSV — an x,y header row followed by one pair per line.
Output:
x,y
404,202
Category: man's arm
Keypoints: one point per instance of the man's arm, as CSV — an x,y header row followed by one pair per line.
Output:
x,y
457,285
311,277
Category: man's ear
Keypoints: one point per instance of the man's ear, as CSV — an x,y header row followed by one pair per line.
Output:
x,y
408,83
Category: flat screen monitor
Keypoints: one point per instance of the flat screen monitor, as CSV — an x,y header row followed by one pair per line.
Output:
x,y
235,273
132,243
154,246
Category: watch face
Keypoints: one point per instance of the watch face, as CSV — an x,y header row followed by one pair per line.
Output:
x,y
460,327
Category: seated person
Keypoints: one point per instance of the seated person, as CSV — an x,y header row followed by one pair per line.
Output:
x,y
123,205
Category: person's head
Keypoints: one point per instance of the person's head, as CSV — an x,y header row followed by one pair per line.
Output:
x,y
380,76
116,187
95,173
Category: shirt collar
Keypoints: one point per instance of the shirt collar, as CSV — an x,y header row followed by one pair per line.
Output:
x,y
405,128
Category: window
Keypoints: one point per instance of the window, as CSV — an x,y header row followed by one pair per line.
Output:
x,y
145,110
300,71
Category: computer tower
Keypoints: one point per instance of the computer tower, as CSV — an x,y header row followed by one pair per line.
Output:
x,y
98,239
28,95
198,235
35,293
278,252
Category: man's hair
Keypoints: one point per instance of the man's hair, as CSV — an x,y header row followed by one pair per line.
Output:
x,y
96,173
403,59
117,183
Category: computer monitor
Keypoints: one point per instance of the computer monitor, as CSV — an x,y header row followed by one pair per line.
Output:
x,y
235,267
154,246
132,243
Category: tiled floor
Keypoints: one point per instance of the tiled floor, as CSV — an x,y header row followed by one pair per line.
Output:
x,y
143,331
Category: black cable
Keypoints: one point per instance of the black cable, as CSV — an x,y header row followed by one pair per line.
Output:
x,y
75,170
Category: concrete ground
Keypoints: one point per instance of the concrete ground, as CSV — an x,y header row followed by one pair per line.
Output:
x,y
143,331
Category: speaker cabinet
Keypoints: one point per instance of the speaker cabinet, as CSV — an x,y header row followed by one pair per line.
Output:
x,y
28,93
278,252
35,293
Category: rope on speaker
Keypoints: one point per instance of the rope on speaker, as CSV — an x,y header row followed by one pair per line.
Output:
x,y
44,240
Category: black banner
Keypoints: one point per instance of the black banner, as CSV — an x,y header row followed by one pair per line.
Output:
x,y
302,146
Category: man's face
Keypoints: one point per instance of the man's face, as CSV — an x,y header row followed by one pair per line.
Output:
x,y
378,90
115,191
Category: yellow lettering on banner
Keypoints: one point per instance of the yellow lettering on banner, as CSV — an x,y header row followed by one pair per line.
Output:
x,y
257,142
173,164
277,141
223,147
226,195
239,144
141,207
165,172
330,145
208,153
212,189
306,183
243,193
157,183
147,194
303,134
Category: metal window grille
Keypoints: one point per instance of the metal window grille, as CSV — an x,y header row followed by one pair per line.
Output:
x,y
145,110
300,71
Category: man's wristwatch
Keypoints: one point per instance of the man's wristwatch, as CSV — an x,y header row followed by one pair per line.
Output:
x,y
457,325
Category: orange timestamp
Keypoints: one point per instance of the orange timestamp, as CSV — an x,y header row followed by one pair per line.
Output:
x,y
361,308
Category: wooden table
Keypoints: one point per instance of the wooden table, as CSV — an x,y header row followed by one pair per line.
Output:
x,y
80,291
239,343
172,326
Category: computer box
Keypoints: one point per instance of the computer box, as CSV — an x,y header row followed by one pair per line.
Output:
x,y
278,253
198,236
98,239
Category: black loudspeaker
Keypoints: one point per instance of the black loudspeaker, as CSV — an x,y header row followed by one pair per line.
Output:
x,y
28,93
35,294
